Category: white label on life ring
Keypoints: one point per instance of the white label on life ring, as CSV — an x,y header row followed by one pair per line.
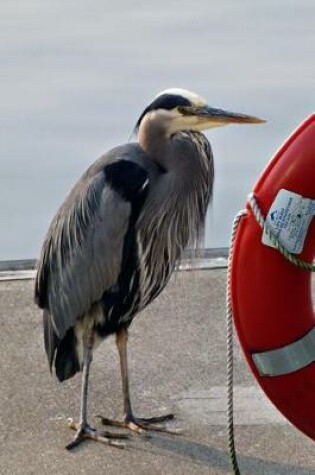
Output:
x,y
289,218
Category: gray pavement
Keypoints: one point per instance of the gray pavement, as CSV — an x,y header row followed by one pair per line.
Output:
x,y
177,363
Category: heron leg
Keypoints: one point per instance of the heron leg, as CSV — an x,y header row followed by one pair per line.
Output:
x,y
82,428
136,424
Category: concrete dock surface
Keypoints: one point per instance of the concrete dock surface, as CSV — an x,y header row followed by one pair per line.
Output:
x,y
177,363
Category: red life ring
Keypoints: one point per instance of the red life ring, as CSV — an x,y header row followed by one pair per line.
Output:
x,y
271,298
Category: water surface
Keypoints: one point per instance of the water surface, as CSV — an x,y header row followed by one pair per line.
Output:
x,y
75,75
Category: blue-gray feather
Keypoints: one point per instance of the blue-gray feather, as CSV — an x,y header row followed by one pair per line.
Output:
x,y
115,241
82,253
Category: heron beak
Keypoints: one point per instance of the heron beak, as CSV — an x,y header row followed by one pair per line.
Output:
x,y
211,117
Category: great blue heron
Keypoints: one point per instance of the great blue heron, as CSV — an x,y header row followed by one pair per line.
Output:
x,y
114,242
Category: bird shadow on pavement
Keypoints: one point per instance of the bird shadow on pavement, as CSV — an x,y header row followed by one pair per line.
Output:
x,y
204,455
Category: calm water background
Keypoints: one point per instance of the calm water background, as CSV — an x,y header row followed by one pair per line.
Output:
x,y
75,75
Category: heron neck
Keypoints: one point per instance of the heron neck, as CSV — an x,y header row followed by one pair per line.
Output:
x,y
153,141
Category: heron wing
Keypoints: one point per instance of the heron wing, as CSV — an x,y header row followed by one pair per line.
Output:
x,y
82,253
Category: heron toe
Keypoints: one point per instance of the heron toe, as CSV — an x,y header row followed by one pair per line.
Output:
x,y
139,424
84,432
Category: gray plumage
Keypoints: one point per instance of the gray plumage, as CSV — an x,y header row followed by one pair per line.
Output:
x,y
82,253
116,239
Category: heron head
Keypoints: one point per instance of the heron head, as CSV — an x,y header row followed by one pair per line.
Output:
x,y
179,110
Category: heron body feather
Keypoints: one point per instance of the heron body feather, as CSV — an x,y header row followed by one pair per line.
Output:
x,y
115,241
106,250
175,212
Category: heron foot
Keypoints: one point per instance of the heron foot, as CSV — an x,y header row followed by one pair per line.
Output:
x,y
84,432
140,425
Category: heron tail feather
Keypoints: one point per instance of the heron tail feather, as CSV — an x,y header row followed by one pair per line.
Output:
x,y
50,338
67,362
63,351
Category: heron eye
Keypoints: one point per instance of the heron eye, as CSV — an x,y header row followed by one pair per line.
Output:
x,y
184,110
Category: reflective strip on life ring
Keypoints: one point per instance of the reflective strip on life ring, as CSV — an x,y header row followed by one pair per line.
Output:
x,y
287,359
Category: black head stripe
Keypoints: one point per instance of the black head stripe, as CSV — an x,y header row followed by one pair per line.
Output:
x,y
165,101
